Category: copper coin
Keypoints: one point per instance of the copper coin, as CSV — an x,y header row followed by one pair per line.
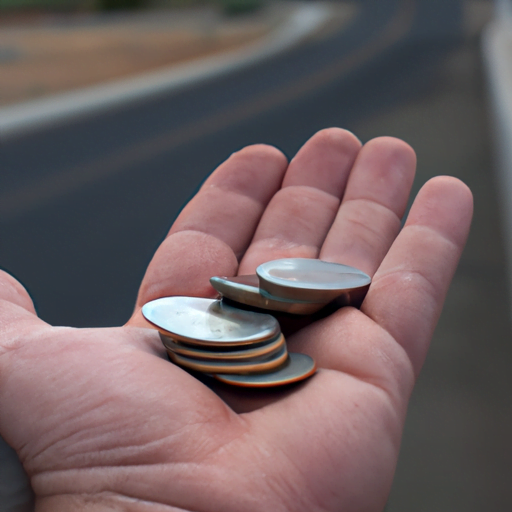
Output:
x,y
260,364
248,352
311,280
200,321
296,368
246,290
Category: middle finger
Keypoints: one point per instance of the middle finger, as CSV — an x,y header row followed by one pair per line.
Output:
x,y
374,202
300,215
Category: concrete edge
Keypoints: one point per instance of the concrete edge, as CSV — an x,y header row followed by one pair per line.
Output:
x,y
36,114
497,58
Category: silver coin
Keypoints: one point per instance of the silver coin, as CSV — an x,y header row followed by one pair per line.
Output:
x,y
261,364
311,280
202,321
248,352
246,290
296,368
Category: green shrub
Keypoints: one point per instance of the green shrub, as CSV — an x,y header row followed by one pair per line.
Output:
x,y
240,6
230,7
61,5
113,5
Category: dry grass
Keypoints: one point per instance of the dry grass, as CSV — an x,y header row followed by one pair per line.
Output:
x,y
37,61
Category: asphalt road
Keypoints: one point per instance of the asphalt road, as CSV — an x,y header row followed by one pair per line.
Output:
x,y
83,206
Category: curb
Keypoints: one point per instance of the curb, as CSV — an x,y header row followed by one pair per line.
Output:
x,y
35,114
497,57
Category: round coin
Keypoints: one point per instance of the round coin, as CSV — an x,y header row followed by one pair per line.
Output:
x,y
246,290
200,321
261,364
311,280
239,354
296,368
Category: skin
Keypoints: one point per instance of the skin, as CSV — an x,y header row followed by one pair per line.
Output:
x,y
102,421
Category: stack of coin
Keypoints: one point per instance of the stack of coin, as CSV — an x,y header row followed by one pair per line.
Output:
x,y
244,347
296,285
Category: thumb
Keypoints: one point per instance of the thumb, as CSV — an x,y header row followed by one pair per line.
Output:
x,y
14,292
17,311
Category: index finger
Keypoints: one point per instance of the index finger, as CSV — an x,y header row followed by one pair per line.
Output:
x,y
215,228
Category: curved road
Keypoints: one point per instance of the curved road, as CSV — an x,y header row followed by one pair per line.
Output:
x,y
84,205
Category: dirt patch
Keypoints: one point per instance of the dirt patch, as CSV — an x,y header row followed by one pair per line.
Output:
x,y
41,59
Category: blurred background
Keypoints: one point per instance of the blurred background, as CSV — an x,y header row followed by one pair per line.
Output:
x,y
113,112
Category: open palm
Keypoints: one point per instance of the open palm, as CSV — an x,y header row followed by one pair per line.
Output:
x,y
102,421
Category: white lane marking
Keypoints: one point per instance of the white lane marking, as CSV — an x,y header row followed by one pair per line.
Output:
x,y
35,114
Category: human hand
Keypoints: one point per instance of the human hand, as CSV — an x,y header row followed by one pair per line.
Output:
x,y
102,421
